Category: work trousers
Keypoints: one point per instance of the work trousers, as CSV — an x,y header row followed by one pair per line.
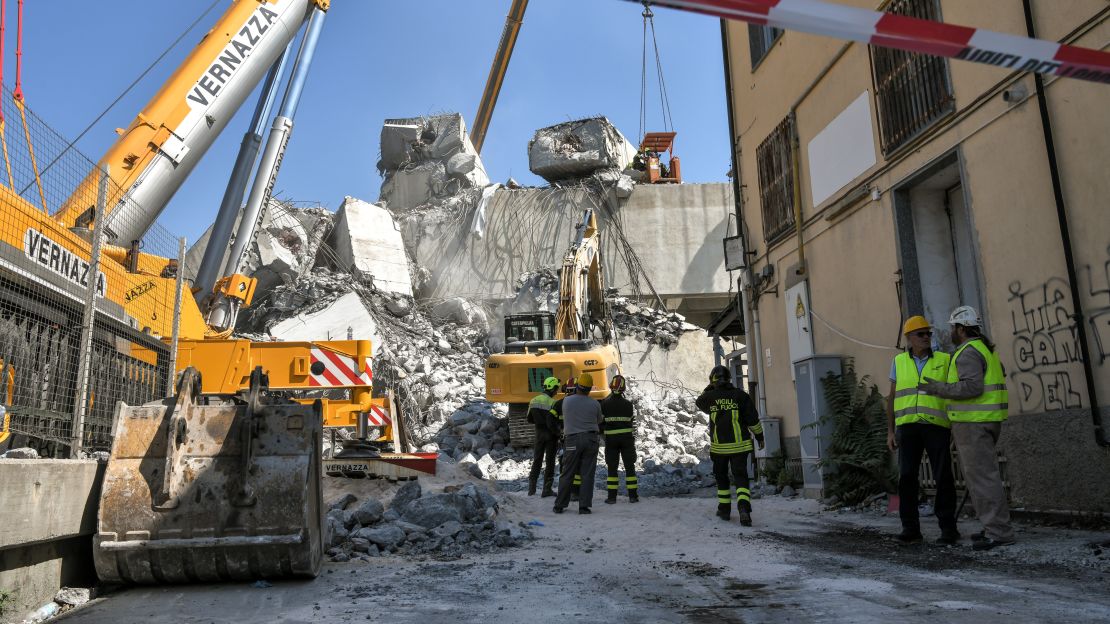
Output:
x,y
975,442
543,456
618,448
933,440
736,466
580,455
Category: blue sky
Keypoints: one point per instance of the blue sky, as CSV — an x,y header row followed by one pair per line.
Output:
x,y
378,60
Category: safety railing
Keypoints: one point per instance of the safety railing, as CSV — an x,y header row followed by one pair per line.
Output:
x,y
83,323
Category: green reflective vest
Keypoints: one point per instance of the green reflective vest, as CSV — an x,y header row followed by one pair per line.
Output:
x,y
992,404
910,405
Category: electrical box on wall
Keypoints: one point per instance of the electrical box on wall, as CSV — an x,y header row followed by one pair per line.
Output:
x,y
812,409
798,332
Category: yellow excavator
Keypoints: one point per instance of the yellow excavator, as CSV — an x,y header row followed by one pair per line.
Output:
x,y
576,339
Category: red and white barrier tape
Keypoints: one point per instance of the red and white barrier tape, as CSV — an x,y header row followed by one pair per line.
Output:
x,y
910,33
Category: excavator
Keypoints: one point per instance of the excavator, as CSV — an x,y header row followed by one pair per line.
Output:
x,y
222,479
576,339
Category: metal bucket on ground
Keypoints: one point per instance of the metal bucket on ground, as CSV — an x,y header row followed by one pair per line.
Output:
x,y
212,488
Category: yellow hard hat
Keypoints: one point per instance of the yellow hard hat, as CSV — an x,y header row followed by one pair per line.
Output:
x,y
915,323
586,380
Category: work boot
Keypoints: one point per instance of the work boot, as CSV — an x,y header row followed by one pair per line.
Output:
x,y
633,496
724,512
546,491
584,511
531,487
745,518
979,536
909,536
948,538
612,498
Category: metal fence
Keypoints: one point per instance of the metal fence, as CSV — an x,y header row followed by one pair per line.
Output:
x,y
83,324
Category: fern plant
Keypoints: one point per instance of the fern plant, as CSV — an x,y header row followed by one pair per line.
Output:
x,y
857,462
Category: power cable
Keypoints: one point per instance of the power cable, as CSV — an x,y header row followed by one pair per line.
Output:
x,y
127,90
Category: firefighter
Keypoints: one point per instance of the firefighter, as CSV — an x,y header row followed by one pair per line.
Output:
x,y
977,405
547,438
619,428
731,412
917,423
581,424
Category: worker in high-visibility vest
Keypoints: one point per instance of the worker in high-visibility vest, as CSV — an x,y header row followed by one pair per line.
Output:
x,y
977,406
916,424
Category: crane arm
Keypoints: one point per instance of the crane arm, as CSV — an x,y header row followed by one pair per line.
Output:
x,y
156,152
497,71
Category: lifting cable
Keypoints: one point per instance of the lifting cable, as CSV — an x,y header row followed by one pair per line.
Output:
x,y
17,95
3,136
664,102
131,86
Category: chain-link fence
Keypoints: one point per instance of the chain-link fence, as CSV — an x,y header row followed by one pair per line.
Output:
x,y
83,323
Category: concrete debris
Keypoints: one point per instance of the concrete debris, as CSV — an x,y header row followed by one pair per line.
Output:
x,y
650,325
368,245
342,319
458,520
577,149
73,596
426,159
20,453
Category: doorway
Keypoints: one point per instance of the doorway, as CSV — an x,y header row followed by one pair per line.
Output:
x,y
937,247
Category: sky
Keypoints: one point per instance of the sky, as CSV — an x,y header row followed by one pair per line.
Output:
x,y
382,59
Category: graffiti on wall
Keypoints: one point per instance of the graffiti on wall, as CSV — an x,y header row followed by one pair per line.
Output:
x,y
1045,339
1045,347
1098,310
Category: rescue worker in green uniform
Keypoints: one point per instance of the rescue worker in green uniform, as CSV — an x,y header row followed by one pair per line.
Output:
x,y
977,405
547,438
916,424
731,414
619,428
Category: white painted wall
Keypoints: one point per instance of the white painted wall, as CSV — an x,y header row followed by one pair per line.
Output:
x,y
842,151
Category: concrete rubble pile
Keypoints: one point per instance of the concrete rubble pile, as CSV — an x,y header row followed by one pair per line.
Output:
x,y
284,246
355,278
458,520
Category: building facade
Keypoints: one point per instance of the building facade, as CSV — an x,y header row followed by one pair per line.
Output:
x,y
876,184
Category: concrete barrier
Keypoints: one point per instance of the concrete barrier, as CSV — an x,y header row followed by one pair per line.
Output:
x,y
47,518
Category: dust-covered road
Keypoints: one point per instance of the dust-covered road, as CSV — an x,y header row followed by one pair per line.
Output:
x,y
670,560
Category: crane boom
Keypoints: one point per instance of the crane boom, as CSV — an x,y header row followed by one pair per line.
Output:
x,y
497,71
156,152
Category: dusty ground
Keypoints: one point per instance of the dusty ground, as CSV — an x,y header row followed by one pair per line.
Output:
x,y
671,560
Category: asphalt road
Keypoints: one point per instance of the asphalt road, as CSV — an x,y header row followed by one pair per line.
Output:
x,y
669,560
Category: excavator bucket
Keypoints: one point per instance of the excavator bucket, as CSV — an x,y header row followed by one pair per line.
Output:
x,y
212,488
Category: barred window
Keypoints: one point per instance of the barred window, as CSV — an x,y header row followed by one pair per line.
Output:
x,y
761,39
912,90
776,180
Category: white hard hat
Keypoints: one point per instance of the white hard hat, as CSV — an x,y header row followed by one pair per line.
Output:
x,y
966,316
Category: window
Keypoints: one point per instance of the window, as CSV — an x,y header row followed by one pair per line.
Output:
x,y
761,39
776,180
912,90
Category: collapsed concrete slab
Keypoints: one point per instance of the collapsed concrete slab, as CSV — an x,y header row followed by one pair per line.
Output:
x,y
576,149
368,244
345,317
427,158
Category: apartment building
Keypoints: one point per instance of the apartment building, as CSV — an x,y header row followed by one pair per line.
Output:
x,y
875,184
